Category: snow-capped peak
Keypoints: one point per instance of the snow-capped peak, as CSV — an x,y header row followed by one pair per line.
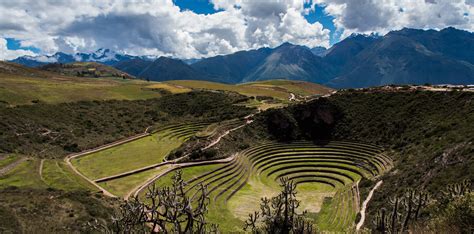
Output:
x,y
101,55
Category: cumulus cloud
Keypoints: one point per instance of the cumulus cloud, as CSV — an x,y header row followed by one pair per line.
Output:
x,y
159,27
381,16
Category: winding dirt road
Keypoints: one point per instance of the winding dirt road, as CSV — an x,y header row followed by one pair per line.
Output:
x,y
9,167
364,205
173,167
68,158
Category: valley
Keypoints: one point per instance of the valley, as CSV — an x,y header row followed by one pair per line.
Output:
x,y
262,117
280,129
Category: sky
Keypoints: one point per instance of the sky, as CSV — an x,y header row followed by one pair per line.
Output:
x,y
204,28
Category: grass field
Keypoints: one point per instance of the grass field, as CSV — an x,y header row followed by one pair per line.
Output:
x,y
22,86
140,153
278,89
7,159
121,186
126,157
325,175
24,174
20,90
56,174
170,87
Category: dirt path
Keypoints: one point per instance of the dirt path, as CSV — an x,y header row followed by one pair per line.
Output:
x,y
292,97
68,158
364,205
110,145
40,170
4,170
105,192
223,135
173,167
218,139
107,178
247,122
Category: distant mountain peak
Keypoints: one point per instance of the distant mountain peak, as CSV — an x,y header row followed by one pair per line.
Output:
x,y
360,60
284,45
101,55
319,51
363,35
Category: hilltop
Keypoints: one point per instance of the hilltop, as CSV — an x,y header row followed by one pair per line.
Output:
x,y
85,69
56,83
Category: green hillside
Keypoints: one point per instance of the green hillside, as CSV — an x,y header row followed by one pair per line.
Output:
x,y
427,134
59,83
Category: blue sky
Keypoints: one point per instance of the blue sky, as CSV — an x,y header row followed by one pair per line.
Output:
x,y
13,44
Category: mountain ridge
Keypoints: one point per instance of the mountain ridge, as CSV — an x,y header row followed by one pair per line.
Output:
x,y
406,56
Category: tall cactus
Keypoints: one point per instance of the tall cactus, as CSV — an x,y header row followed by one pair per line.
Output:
x,y
381,221
394,216
457,190
405,209
407,203
420,200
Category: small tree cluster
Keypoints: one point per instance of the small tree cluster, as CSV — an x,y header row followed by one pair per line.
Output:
x,y
278,214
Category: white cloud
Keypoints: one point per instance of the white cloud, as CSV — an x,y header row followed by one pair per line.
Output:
x,y
158,27
6,54
382,16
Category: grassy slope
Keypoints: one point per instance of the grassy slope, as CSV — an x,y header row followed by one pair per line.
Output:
x,y
429,134
7,159
122,186
278,89
57,174
50,211
20,90
21,85
56,130
24,175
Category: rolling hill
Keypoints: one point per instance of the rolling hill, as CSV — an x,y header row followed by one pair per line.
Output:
x,y
57,83
85,69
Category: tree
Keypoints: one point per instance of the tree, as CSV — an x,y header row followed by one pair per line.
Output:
x,y
166,210
278,214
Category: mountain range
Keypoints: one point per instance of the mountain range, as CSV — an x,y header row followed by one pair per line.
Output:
x,y
407,56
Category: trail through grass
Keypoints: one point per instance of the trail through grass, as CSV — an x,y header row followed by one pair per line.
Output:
x,y
24,174
58,175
